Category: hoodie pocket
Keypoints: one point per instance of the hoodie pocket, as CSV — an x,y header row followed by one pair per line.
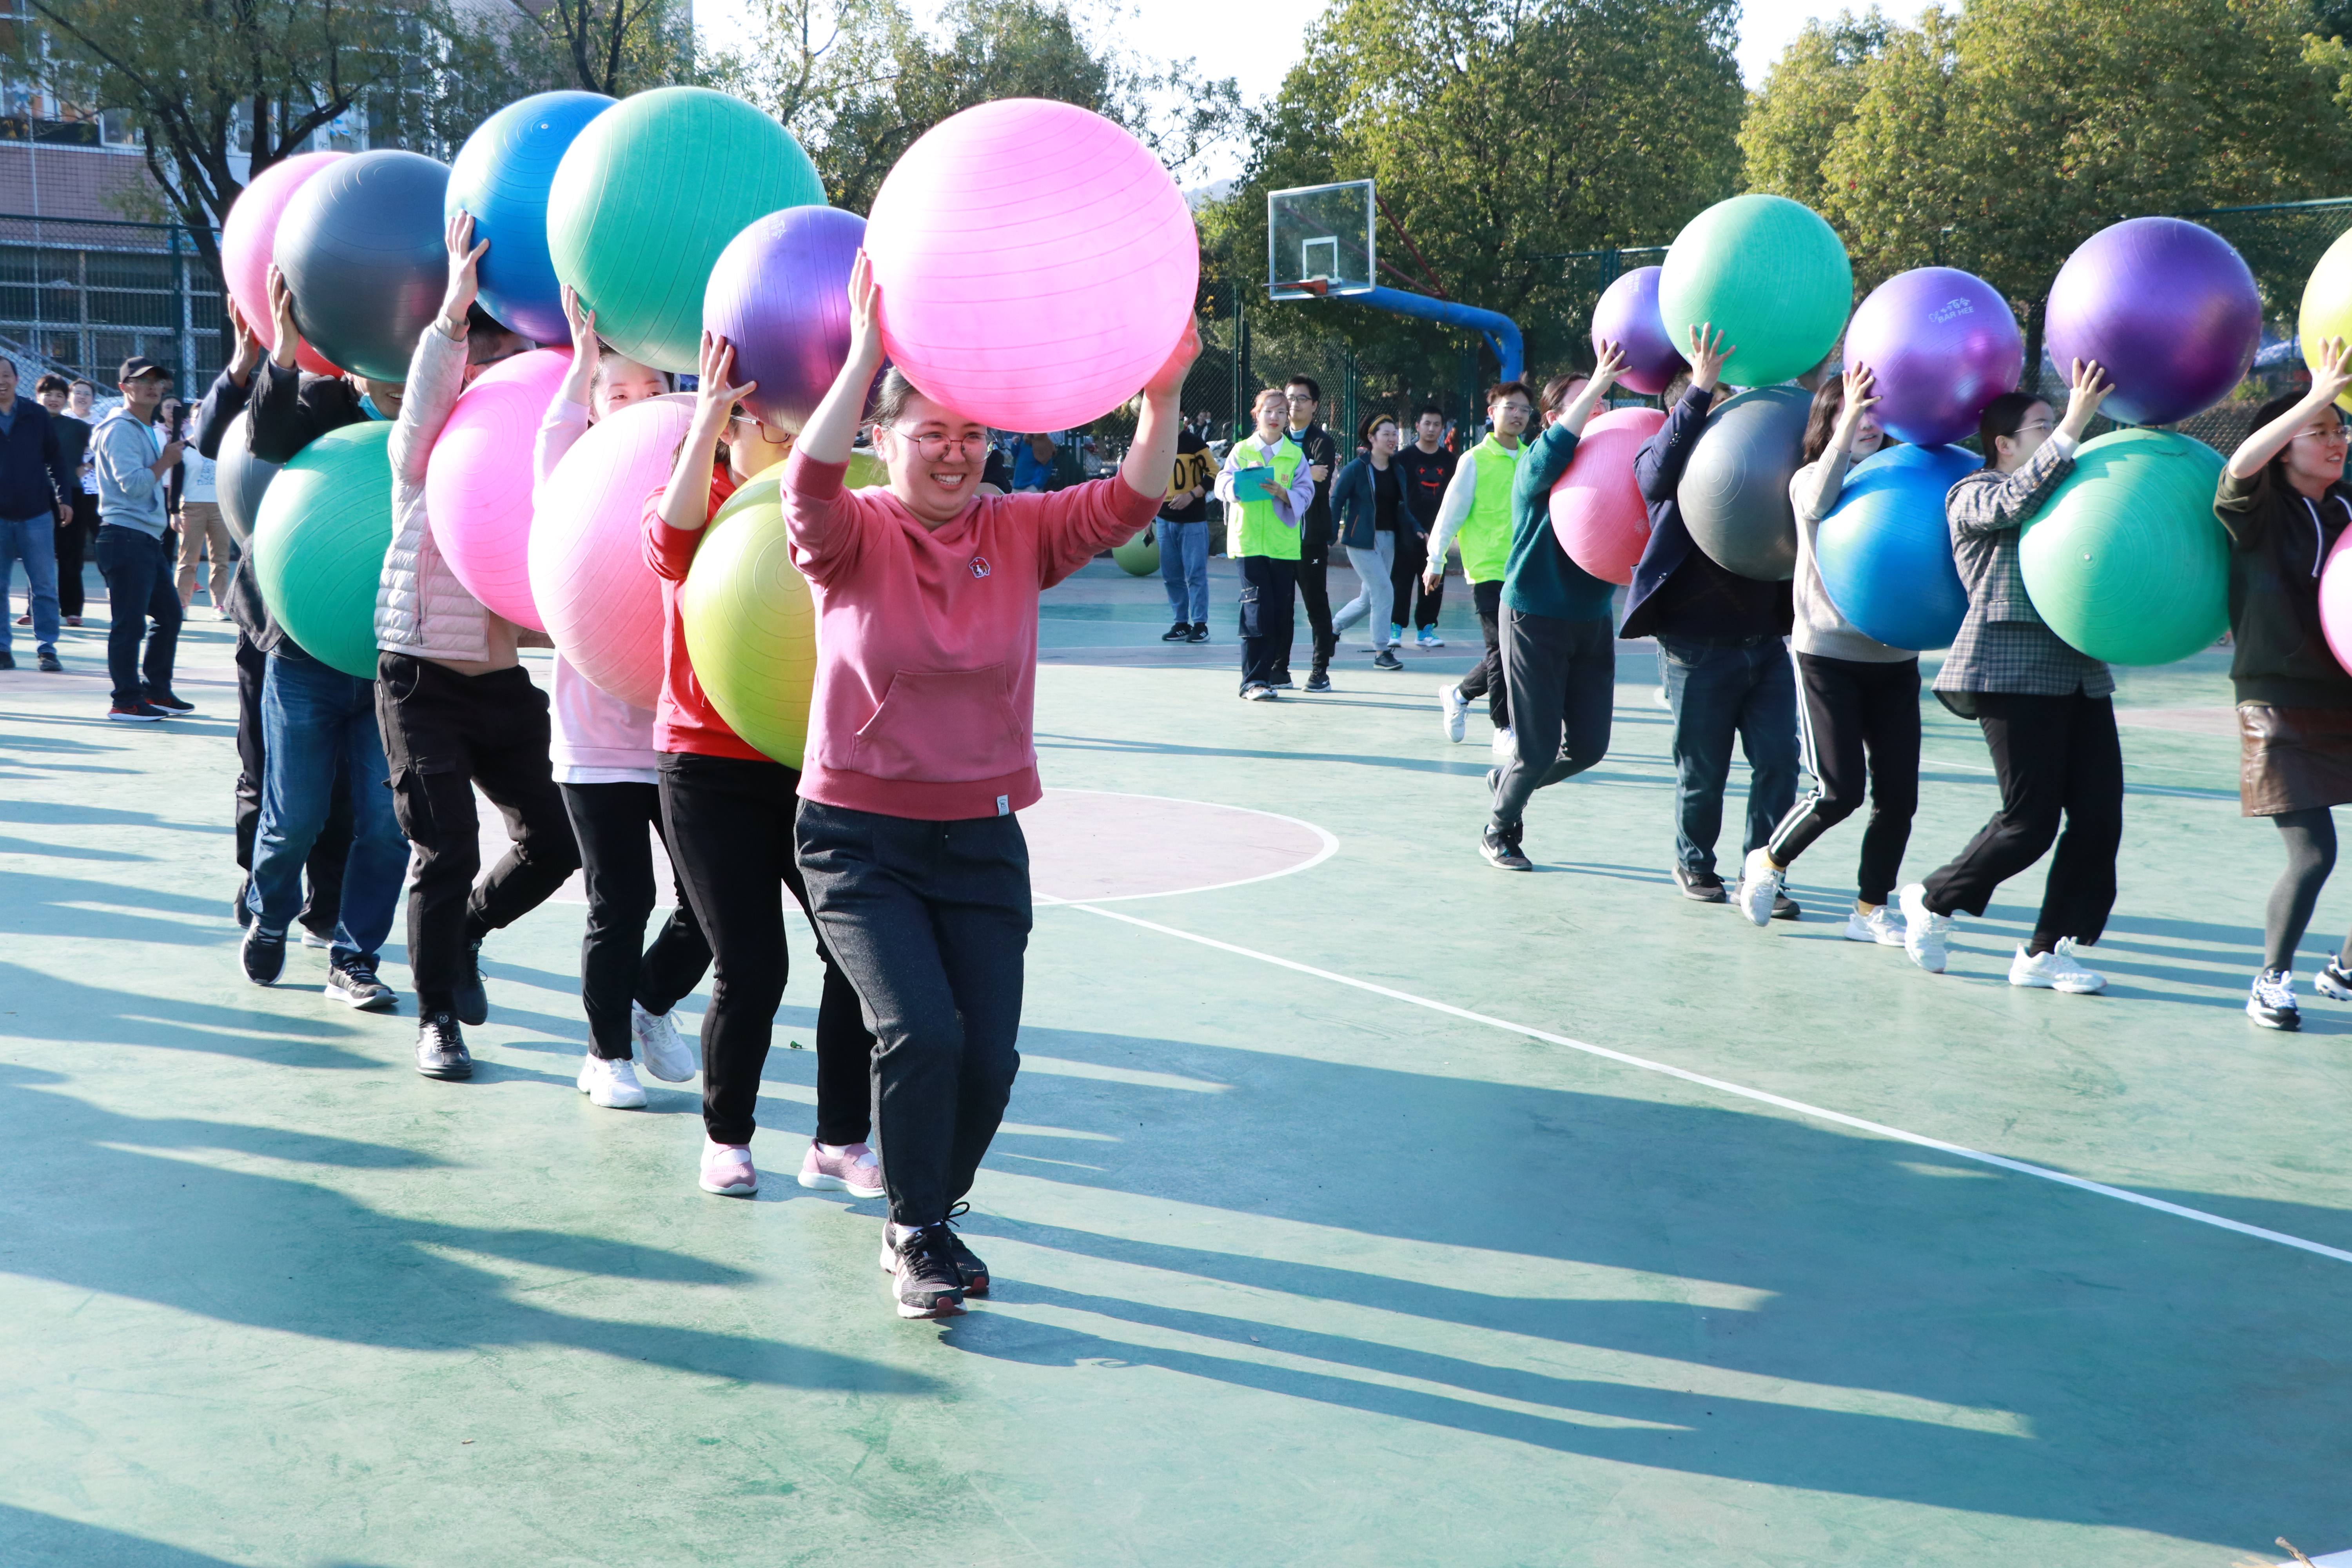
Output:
x,y
943,726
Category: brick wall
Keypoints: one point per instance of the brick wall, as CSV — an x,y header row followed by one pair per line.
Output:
x,y
55,181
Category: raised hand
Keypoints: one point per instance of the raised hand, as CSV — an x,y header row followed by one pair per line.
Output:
x,y
465,263
714,399
250,352
281,319
2087,386
1707,352
2332,374
1612,366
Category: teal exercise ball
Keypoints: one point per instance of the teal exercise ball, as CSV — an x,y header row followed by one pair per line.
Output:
x,y
1137,558
318,545
1771,274
2125,561
1885,551
1734,489
649,194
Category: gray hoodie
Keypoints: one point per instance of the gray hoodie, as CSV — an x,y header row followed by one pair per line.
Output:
x,y
129,493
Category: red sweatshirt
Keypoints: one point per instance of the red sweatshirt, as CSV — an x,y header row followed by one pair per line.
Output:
x,y
684,721
927,641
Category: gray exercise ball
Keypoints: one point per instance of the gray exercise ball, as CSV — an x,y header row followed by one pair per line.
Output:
x,y
360,245
1735,490
240,477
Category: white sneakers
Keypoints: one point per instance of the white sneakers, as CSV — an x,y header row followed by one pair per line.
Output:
x,y
1505,744
1454,709
655,1039
1881,926
1924,932
1759,884
612,1084
2055,971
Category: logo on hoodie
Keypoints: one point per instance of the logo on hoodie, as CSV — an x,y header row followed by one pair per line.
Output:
x,y
979,564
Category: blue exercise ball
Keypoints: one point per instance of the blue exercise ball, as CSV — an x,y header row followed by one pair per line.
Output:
x,y
1885,552
501,176
779,293
361,247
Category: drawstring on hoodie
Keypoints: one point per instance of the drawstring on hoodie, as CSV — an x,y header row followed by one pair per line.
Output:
x,y
2319,533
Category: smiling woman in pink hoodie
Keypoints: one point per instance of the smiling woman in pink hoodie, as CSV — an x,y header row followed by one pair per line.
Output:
x,y
920,753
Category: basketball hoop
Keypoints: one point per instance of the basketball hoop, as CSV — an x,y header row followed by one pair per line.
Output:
x,y
1319,287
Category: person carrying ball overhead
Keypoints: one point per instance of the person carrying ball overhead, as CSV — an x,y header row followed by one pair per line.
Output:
x,y
920,754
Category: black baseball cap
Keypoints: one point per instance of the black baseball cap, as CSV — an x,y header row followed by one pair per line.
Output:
x,y
135,368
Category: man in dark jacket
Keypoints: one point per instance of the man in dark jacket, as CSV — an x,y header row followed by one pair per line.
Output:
x,y
1720,654
1428,466
36,486
1314,532
55,392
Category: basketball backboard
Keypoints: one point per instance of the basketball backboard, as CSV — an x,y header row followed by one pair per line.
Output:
x,y
1318,240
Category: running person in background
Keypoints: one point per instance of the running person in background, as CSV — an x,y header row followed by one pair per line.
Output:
x,y
920,753
1373,506
1560,650
2285,502
1477,507
1859,713
608,770
1262,536
1183,529
727,811
1427,465
1314,533
2048,712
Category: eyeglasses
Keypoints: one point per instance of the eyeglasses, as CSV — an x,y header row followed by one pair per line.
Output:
x,y
933,448
2037,425
1300,396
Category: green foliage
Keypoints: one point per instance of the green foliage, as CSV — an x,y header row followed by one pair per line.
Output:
x,y
1810,93
1502,134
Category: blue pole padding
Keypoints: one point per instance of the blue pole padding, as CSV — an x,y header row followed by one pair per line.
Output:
x,y
1499,329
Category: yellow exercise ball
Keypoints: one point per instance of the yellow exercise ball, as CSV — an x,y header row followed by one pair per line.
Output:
x,y
751,623
2327,304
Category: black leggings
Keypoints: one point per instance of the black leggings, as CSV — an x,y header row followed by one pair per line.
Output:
x,y
616,967
729,831
1860,725
2310,838
1486,678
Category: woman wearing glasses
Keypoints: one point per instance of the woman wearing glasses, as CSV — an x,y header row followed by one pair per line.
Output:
x,y
727,813
2047,711
919,753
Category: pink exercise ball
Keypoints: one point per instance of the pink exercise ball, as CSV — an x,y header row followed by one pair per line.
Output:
x,y
2336,601
597,597
1596,508
1036,264
246,236
477,480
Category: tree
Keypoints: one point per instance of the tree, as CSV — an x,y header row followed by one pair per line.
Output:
x,y
1809,93
619,47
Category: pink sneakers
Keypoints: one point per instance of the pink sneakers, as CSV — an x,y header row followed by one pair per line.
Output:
x,y
726,1170
855,1170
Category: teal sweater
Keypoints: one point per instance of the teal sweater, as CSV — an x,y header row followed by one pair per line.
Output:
x,y
1539,579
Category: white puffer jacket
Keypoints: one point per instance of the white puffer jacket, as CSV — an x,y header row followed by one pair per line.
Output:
x,y
421,608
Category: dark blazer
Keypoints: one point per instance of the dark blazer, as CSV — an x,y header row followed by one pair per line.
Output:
x,y
224,400
1354,505
35,477
291,409
1658,470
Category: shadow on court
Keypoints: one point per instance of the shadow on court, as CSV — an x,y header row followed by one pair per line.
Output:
x,y
2112,1365
31,1538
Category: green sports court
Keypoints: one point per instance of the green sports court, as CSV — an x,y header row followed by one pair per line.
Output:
x,y
1358,1203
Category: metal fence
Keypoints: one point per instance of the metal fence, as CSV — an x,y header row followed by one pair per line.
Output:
x,y
80,297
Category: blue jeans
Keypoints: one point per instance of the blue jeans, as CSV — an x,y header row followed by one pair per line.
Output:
x,y
34,540
1184,569
312,717
138,585
1720,691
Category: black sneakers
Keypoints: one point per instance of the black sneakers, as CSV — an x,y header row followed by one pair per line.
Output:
x,y
169,703
1784,908
1318,680
354,983
967,1263
925,1277
472,1001
441,1048
264,955
7,659
1501,846
1386,659
1200,632
130,712
48,664
1705,887
1181,632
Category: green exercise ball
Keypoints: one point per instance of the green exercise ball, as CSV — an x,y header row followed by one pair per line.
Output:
x,y
1137,558
2125,561
648,195
1771,274
319,544
751,623
2327,304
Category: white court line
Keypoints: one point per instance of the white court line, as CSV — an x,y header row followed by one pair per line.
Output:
x,y
1331,845
1764,1097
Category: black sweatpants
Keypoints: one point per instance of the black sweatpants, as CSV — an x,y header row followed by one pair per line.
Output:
x,y
75,539
2055,756
444,733
931,919
730,823
616,967
1858,723
1562,678
1269,588
1315,597
1487,679
322,911
1413,603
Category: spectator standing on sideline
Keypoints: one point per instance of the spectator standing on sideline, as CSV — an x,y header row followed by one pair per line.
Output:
x,y
1262,536
1478,509
82,403
1183,529
55,393
203,534
34,482
1428,468
1306,399
133,463
1033,462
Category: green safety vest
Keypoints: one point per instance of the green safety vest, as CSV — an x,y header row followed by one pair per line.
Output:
x,y
1486,536
1261,530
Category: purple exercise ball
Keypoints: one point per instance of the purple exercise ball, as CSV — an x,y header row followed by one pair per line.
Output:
x,y
1628,316
779,293
2168,306
1943,343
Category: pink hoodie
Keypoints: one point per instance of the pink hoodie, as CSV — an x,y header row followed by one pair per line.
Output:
x,y
927,641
